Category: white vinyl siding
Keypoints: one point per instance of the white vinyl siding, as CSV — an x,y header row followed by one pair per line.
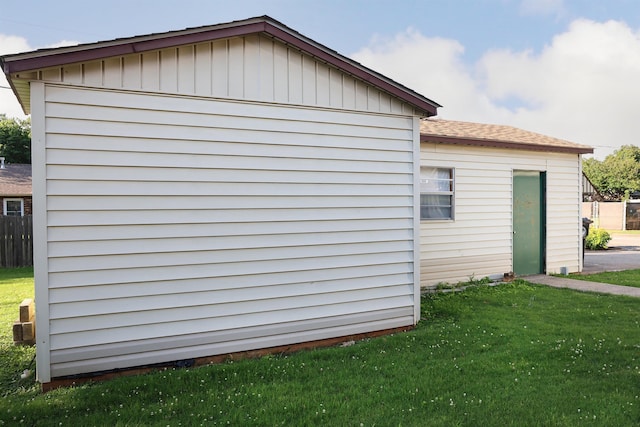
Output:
x,y
253,67
479,242
564,214
180,227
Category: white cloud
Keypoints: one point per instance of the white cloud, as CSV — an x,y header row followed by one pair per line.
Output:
x,y
8,103
584,86
12,44
431,66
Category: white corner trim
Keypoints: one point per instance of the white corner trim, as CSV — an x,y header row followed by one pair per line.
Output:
x,y
40,261
416,219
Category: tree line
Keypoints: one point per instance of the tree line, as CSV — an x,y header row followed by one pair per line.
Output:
x,y
617,177
15,139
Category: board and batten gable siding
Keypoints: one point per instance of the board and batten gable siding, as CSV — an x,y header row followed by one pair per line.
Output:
x,y
253,67
478,243
180,226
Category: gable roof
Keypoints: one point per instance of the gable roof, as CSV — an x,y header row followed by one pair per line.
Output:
x,y
15,180
266,25
498,136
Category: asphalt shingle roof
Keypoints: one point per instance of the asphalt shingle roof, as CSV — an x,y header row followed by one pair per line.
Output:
x,y
15,180
490,135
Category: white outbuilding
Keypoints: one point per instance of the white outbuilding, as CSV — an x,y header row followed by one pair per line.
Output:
x,y
497,200
216,190
240,187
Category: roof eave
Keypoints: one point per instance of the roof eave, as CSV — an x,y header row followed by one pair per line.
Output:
x,y
94,51
503,144
16,92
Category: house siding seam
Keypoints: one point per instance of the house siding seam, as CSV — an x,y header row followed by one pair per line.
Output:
x,y
479,242
187,220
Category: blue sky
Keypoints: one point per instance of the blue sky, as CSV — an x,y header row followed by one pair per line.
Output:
x,y
568,69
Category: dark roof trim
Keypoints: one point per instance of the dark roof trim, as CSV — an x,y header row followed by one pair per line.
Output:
x,y
46,58
357,70
503,144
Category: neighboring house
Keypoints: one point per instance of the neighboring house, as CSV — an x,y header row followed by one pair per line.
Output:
x,y
495,200
15,188
216,190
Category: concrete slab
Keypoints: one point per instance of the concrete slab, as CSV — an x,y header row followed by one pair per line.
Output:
x,y
623,254
581,285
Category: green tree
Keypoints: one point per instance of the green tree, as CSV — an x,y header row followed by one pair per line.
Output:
x,y
617,175
15,139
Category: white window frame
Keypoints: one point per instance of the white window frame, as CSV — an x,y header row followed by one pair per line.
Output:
x,y
4,205
428,190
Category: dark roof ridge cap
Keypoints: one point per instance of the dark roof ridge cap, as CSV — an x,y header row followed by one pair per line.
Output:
x,y
347,63
131,39
121,46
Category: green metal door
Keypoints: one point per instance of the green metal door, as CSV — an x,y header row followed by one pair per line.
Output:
x,y
528,222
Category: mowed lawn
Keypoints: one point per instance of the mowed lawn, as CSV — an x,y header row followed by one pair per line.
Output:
x,y
16,284
515,354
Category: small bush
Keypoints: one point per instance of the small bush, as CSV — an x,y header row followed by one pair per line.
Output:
x,y
597,239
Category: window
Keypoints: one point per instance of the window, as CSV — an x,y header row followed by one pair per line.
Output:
x,y
436,193
13,207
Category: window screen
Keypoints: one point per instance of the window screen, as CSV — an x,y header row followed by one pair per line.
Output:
x,y
436,193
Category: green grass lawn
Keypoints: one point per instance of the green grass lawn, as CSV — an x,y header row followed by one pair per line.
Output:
x,y
623,278
16,284
510,355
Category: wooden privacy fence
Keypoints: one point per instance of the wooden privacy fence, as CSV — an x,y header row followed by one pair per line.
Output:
x,y
16,241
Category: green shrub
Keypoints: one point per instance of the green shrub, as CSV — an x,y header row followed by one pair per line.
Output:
x,y
597,239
